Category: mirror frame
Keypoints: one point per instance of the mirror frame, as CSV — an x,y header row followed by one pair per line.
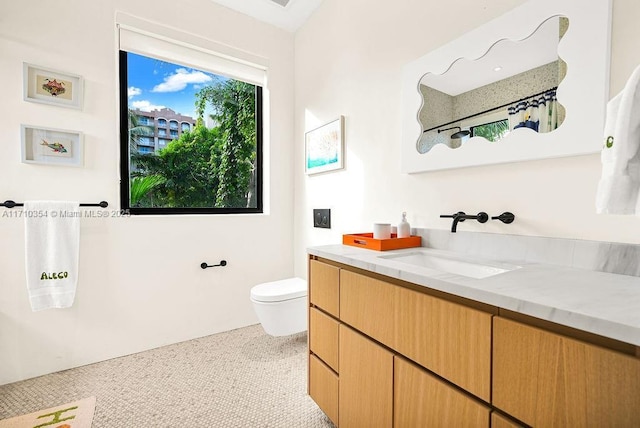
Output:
x,y
587,67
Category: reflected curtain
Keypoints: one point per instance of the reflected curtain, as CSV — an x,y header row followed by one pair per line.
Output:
x,y
539,113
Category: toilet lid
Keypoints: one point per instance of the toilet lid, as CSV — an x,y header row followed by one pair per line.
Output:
x,y
276,291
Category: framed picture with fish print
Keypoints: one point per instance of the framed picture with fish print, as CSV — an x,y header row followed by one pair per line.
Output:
x,y
41,85
49,146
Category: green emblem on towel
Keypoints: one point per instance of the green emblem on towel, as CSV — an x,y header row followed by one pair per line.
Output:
x,y
54,275
609,142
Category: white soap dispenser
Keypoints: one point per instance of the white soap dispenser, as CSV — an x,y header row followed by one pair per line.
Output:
x,y
404,229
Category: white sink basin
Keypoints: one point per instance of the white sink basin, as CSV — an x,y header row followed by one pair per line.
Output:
x,y
426,259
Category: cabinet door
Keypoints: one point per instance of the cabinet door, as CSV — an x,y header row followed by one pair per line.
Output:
x,y
545,379
449,339
422,400
324,287
366,382
323,387
367,304
323,337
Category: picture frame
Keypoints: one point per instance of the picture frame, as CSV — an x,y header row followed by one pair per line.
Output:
x,y
51,146
47,86
324,147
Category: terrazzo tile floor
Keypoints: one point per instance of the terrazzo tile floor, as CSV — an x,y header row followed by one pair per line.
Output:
x,y
242,378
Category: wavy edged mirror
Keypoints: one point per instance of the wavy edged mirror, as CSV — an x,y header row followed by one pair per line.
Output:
x,y
451,117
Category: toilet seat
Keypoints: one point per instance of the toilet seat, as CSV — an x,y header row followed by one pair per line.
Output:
x,y
278,291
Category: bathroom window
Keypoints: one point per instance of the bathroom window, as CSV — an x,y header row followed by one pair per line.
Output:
x,y
213,166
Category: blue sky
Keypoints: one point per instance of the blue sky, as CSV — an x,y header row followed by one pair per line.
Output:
x,y
154,84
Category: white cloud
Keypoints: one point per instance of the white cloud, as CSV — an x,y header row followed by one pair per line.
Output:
x,y
132,91
145,105
180,80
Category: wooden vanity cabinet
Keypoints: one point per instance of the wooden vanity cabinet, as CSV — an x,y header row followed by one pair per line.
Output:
x,y
423,400
447,338
323,337
352,348
368,305
324,287
546,379
390,354
323,387
366,382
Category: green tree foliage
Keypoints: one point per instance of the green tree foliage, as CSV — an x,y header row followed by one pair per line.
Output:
x,y
234,106
141,188
206,167
189,167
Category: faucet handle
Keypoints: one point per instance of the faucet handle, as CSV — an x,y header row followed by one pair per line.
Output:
x,y
505,217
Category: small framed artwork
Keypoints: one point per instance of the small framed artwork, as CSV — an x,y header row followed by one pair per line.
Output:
x,y
50,146
41,85
324,147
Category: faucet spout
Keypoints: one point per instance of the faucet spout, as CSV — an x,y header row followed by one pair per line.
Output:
x,y
457,218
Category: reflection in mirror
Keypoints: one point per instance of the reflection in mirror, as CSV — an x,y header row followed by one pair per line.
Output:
x,y
512,86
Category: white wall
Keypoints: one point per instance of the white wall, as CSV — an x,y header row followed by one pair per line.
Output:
x,y
140,282
349,58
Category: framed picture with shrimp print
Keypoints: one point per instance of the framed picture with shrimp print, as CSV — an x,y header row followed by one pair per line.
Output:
x,y
41,85
49,146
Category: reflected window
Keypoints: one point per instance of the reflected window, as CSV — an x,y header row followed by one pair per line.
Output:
x,y
493,131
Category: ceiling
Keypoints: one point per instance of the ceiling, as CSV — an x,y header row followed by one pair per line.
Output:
x,y
286,14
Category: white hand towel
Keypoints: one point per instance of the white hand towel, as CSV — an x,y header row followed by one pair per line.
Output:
x,y
619,186
52,243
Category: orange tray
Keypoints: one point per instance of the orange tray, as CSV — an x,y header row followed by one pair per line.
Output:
x,y
366,240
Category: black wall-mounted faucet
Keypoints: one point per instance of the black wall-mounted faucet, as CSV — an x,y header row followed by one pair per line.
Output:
x,y
506,217
482,217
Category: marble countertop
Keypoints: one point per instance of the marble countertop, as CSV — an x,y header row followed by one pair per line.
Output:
x,y
601,303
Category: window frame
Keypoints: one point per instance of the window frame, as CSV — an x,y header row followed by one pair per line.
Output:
x,y
125,158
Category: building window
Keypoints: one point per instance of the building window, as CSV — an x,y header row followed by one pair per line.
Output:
x,y
215,169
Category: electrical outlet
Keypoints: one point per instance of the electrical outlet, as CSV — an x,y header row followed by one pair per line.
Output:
x,y
322,218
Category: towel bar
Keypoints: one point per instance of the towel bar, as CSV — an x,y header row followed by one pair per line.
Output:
x,y
204,265
11,204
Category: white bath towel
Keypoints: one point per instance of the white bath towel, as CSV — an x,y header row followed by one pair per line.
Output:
x,y
620,183
52,244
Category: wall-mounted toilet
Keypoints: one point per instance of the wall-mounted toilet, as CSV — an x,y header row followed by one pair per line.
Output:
x,y
281,306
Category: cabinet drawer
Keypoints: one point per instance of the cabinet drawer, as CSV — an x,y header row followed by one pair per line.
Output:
x,y
545,379
367,304
366,382
422,400
451,340
324,287
323,387
323,337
